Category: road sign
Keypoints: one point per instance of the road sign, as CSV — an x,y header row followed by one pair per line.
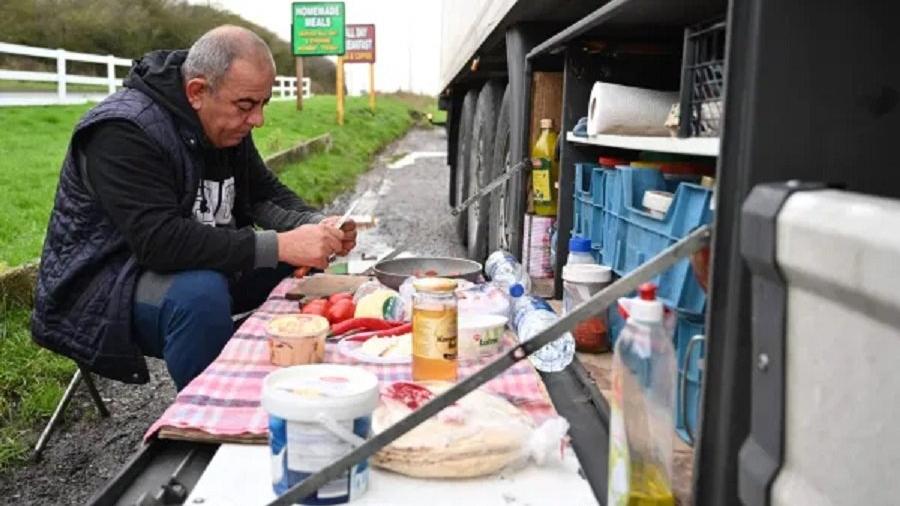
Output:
x,y
360,44
318,28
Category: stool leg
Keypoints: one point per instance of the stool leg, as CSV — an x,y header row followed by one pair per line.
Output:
x,y
95,395
54,419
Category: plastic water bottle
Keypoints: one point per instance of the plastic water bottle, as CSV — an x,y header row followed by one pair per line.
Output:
x,y
531,316
505,271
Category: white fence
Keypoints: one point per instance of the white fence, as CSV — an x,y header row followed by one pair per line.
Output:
x,y
285,87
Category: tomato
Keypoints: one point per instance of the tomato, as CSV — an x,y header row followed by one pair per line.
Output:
x,y
317,307
341,310
340,296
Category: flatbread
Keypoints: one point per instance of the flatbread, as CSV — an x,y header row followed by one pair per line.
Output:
x,y
479,435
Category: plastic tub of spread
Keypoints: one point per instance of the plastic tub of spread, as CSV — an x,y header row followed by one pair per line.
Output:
x,y
317,414
480,335
297,339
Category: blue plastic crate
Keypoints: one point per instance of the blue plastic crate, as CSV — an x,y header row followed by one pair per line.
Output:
x,y
583,173
690,375
576,216
637,236
582,216
598,188
598,217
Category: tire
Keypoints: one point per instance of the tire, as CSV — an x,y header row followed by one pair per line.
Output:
x,y
467,114
481,152
498,235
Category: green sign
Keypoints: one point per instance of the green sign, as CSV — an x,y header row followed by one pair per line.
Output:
x,y
318,28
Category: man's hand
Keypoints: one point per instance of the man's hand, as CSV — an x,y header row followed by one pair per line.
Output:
x,y
310,245
348,242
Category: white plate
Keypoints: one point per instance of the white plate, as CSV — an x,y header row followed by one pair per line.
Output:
x,y
352,350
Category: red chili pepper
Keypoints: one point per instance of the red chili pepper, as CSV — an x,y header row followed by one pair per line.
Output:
x,y
363,324
404,328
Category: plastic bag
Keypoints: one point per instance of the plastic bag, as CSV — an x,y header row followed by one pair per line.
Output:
x,y
478,435
483,298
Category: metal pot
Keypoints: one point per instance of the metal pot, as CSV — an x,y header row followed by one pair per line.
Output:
x,y
392,273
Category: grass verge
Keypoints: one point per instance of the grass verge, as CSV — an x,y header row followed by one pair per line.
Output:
x,y
34,142
32,381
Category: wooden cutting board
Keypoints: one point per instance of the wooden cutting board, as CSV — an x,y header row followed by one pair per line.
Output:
x,y
323,285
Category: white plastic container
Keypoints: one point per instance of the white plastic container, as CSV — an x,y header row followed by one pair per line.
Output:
x,y
580,283
317,414
297,339
479,335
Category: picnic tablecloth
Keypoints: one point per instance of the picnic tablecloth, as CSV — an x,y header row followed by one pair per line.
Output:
x,y
223,403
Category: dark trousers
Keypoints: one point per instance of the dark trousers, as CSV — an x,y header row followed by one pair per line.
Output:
x,y
185,317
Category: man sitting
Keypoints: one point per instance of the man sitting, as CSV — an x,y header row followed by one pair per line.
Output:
x,y
152,244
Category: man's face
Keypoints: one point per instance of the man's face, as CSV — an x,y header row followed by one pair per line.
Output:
x,y
235,106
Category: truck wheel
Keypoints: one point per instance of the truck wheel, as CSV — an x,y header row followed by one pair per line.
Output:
x,y
498,238
481,173
463,145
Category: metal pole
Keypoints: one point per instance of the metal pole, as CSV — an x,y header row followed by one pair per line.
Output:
x,y
626,284
60,408
95,394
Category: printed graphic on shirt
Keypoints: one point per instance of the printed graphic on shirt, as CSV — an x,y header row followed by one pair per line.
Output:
x,y
214,202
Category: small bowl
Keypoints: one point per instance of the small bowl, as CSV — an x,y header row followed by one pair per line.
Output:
x,y
297,339
480,335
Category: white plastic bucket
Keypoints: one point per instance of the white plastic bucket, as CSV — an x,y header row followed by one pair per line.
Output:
x,y
317,414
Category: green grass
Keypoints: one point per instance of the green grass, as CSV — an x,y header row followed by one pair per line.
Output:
x,y
34,141
33,144
31,383
48,86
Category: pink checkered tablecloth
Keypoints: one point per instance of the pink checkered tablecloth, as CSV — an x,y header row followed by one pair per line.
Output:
x,y
223,403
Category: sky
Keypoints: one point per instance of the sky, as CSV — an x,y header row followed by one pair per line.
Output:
x,y
407,38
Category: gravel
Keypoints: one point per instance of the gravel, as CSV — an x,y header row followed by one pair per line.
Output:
x,y
411,206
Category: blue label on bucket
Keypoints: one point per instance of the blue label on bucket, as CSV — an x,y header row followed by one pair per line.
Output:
x,y
301,449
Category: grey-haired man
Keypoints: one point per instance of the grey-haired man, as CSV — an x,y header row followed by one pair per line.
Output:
x,y
166,219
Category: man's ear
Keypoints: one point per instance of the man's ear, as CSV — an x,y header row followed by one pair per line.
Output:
x,y
196,89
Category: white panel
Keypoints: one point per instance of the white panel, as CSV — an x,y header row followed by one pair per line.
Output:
x,y
239,475
840,253
466,24
27,75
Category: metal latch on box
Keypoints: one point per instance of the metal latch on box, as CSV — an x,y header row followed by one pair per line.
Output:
x,y
493,185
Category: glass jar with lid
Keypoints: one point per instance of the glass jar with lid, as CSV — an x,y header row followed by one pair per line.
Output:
x,y
434,329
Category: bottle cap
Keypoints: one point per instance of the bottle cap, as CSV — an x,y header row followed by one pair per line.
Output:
x,y
516,290
580,244
587,273
646,307
546,123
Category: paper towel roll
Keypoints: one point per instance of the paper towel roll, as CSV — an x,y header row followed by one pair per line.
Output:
x,y
627,110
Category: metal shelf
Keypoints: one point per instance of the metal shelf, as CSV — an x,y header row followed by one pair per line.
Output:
x,y
624,17
701,146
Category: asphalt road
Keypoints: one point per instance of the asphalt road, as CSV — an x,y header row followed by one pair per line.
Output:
x,y
406,191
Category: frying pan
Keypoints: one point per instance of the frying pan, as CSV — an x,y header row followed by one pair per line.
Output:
x,y
392,273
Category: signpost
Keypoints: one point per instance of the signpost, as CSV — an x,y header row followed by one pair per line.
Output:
x,y
360,45
318,30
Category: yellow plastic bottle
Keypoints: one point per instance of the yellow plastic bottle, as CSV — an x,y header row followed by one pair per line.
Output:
x,y
545,171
